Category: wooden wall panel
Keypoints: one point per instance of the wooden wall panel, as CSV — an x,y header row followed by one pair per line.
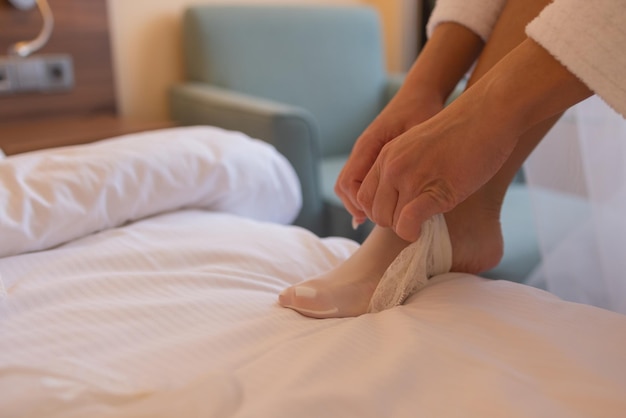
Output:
x,y
81,30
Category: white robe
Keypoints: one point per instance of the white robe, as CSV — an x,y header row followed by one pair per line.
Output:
x,y
577,175
587,37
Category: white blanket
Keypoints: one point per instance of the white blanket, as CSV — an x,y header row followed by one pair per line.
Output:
x,y
53,196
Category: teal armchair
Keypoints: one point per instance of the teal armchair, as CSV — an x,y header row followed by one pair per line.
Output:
x,y
306,79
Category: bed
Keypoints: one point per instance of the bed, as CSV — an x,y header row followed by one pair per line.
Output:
x,y
139,278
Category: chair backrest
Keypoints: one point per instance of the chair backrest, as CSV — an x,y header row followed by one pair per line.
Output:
x,y
325,59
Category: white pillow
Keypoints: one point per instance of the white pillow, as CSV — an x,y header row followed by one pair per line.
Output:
x,y
53,196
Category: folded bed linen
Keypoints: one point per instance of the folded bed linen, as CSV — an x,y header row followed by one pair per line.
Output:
x,y
52,196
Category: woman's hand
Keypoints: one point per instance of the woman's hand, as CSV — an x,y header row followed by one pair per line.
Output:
x,y
400,115
445,58
434,166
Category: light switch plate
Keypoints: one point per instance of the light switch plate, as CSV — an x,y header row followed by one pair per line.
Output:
x,y
37,73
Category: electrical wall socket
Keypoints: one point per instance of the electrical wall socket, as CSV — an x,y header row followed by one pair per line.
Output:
x,y
38,73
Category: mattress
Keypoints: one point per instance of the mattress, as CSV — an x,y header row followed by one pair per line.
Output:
x,y
173,311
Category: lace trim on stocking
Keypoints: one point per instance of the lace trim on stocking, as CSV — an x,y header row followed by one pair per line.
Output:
x,y
429,256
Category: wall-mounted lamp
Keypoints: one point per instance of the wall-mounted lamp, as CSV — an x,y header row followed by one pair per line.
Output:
x,y
25,48
43,73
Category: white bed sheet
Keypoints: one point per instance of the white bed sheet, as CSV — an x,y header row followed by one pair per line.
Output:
x,y
135,307
176,315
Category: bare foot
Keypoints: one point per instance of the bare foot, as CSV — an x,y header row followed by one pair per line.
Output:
x,y
345,291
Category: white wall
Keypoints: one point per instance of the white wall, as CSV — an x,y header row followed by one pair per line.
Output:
x,y
145,38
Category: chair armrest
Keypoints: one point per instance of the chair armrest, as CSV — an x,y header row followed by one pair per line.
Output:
x,y
291,130
394,82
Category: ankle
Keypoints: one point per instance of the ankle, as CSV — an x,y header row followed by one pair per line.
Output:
x,y
476,235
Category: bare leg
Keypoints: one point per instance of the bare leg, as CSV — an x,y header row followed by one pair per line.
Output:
x,y
474,225
477,245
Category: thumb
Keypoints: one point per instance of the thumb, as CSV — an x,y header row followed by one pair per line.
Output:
x,y
414,214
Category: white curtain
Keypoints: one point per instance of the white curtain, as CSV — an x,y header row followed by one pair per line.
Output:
x,y
577,182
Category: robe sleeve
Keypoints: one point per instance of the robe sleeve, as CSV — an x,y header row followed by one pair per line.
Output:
x,y
589,39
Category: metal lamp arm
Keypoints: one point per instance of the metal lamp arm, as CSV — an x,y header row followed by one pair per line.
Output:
x,y
25,48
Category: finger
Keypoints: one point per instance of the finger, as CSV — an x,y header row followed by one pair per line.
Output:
x,y
349,183
355,211
361,160
349,198
367,191
413,214
352,191
403,200
384,205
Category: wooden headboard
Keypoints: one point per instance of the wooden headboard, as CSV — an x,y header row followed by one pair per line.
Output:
x,y
85,114
81,30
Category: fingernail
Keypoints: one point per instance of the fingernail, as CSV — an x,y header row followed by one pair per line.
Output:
x,y
355,223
